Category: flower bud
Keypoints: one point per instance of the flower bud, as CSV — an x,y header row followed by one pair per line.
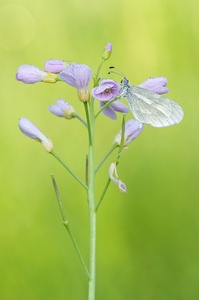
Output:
x,y
55,65
31,74
62,109
33,132
107,51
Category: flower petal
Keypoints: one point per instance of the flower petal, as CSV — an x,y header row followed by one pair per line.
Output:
x,y
30,74
132,129
108,111
108,47
114,177
120,107
156,85
77,75
55,65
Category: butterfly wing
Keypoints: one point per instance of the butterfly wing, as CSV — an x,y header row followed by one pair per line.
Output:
x,y
151,108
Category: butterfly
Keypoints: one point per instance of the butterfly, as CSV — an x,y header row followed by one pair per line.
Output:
x,y
149,107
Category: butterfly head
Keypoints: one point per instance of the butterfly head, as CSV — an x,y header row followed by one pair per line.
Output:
x,y
125,82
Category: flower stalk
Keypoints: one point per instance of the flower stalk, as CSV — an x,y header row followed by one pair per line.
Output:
x,y
66,225
105,157
69,170
91,199
107,93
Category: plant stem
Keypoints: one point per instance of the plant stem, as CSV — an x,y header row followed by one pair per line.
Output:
x,y
69,170
105,157
66,225
98,71
91,200
80,119
90,129
92,261
102,195
120,151
108,103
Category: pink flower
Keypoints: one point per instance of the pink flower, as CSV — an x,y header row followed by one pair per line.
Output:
x,y
62,109
132,129
110,111
79,76
31,74
106,91
55,65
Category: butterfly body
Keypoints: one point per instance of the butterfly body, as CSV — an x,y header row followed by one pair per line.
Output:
x,y
149,107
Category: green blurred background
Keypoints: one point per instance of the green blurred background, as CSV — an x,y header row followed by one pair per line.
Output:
x,y
148,239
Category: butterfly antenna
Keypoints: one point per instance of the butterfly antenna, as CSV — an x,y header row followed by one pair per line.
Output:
x,y
118,71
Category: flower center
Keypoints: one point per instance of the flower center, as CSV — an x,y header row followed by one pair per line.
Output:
x,y
107,90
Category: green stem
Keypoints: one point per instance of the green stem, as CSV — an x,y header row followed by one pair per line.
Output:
x,y
105,157
66,225
121,147
103,194
91,201
104,106
69,170
80,119
98,71
61,208
92,260
88,121
120,151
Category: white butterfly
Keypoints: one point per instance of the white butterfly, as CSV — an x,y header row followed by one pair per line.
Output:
x,y
151,108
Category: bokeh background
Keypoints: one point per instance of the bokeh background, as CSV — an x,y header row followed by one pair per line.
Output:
x,y
148,239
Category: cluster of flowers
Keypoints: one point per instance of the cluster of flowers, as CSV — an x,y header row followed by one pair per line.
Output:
x,y
79,76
